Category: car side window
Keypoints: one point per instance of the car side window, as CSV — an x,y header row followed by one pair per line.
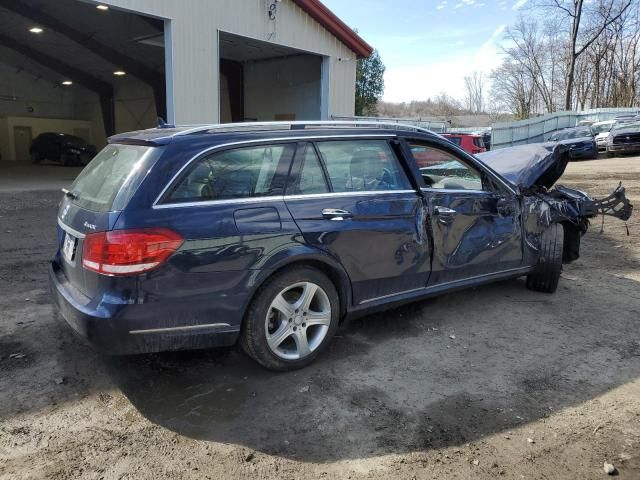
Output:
x,y
239,173
444,170
362,165
312,178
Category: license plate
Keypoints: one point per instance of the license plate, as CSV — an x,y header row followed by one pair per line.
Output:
x,y
69,247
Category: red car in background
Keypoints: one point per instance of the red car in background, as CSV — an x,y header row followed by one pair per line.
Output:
x,y
470,143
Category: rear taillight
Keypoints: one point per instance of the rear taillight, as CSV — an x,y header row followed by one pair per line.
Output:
x,y
127,252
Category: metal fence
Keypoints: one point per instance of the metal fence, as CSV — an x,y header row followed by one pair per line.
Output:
x,y
539,129
431,124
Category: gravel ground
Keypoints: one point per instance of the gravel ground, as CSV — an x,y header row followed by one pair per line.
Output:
x,y
496,381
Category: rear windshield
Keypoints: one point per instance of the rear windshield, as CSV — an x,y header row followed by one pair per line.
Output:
x,y
107,183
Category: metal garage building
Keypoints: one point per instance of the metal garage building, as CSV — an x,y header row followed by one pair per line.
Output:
x,y
92,69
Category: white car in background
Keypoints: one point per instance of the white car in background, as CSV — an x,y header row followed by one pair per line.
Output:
x,y
601,131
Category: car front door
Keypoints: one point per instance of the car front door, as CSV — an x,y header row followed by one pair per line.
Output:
x,y
353,200
473,216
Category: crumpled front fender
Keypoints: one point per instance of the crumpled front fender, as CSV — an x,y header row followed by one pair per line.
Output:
x,y
571,208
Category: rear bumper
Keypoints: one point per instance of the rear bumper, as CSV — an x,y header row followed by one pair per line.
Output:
x,y
121,329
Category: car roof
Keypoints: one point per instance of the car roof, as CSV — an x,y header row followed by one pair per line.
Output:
x,y
222,133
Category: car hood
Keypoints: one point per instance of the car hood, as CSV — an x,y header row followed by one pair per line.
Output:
x,y
526,166
602,135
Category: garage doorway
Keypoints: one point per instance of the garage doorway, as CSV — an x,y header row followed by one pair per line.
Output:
x,y
83,71
22,137
261,81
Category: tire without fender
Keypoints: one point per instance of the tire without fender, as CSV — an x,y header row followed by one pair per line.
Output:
x,y
255,328
546,275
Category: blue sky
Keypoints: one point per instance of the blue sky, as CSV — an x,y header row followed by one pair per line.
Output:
x,y
428,46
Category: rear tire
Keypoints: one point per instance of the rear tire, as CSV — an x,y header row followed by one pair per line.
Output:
x,y
291,320
546,275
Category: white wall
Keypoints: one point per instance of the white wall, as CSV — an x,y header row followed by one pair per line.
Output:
x,y
41,95
194,48
284,86
135,106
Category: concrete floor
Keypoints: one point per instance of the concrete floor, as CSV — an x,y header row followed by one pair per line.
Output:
x,y
26,177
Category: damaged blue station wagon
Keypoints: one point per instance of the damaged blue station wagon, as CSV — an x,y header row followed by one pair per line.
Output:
x,y
271,234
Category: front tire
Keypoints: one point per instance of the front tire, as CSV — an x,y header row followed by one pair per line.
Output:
x,y
546,275
291,320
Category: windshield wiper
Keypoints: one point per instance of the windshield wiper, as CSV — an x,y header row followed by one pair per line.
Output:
x,y
70,194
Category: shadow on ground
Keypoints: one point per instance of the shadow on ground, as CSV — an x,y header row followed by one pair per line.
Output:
x,y
437,373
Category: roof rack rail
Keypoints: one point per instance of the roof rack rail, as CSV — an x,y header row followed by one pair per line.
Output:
x,y
297,125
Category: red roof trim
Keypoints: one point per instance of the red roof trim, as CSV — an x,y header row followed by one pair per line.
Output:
x,y
337,27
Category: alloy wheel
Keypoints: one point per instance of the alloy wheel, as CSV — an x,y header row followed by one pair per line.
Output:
x,y
298,320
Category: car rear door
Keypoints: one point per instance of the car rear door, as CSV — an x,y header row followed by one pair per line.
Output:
x,y
353,200
474,219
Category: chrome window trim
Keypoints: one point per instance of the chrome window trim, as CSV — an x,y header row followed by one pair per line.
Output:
x,y
225,201
274,198
70,230
347,194
456,190
156,203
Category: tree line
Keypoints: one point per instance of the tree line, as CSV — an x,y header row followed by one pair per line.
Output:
x,y
570,54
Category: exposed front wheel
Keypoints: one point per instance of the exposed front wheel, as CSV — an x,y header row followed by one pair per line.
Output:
x,y
291,320
546,275
35,157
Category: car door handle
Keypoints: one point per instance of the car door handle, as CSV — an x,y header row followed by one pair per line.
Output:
x,y
336,214
445,215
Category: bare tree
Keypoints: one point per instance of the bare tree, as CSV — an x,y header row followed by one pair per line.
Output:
x,y
474,85
513,90
586,26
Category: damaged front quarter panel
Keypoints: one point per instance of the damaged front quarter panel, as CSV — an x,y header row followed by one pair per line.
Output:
x,y
533,169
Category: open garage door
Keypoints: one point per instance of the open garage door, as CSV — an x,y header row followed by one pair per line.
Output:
x,y
79,69
261,81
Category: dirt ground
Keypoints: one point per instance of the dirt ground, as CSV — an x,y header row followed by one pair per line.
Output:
x,y
497,381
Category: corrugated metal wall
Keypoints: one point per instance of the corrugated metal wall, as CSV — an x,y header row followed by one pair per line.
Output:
x,y
539,129
194,27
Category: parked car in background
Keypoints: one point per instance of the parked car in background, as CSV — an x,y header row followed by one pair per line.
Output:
x,y
486,140
623,137
470,143
585,123
579,140
194,237
62,148
628,118
601,131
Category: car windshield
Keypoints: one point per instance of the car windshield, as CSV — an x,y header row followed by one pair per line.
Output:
x,y
627,127
74,140
601,128
456,140
572,133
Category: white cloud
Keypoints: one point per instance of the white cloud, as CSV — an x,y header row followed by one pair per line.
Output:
x,y
440,7
519,4
419,82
